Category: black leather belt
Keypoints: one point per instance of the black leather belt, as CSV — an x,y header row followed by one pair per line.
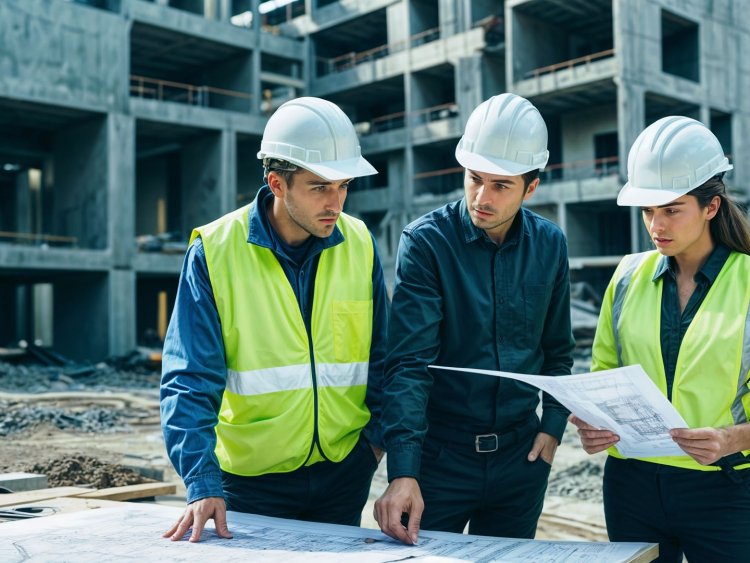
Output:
x,y
486,443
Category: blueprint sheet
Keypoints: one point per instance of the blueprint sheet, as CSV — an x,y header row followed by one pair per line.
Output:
x,y
623,400
132,532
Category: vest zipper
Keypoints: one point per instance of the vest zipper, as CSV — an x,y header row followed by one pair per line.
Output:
x,y
308,329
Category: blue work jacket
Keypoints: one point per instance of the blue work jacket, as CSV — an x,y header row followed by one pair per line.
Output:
x,y
461,300
194,369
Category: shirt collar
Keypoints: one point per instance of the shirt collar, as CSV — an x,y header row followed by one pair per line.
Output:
x,y
472,232
708,272
262,233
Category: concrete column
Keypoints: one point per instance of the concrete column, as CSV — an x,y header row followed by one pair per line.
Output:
x,y
228,171
22,204
121,312
203,172
631,118
257,90
469,91
81,169
450,17
120,190
398,25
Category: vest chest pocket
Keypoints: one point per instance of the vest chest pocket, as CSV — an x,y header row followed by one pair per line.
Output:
x,y
352,330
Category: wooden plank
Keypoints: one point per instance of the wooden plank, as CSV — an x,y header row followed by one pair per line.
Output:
x,y
26,497
130,492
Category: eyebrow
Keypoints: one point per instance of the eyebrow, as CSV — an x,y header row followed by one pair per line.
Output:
x,y
673,204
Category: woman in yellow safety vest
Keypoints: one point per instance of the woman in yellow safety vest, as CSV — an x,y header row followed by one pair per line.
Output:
x,y
683,313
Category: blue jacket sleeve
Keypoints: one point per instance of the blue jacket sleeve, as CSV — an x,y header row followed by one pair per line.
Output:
x,y
193,380
413,344
374,399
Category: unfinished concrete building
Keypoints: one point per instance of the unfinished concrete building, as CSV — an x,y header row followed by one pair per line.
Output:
x,y
124,123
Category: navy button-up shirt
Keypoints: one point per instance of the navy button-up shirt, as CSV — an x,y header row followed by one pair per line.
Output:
x,y
461,300
194,369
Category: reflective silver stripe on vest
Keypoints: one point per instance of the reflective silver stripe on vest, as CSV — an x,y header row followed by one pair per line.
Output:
x,y
342,375
290,378
629,265
738,410
269,380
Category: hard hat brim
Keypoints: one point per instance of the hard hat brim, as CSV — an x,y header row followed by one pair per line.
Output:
x,y
479,163
341,169
643,197
333,170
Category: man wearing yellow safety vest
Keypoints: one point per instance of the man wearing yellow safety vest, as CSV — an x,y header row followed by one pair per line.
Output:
x,y
683,313
273,360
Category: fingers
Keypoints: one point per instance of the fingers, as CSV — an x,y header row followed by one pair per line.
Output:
x,y
198,523
173,529
220,519
573,419
415,518
182,526
402,497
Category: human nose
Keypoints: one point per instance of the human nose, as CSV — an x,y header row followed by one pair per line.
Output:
x,y
657,223
335,200
479,197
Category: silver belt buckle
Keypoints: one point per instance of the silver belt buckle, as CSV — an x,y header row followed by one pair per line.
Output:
x,y
477,445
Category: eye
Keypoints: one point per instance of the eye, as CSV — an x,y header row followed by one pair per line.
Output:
x,y
344,186
501,187
476,179
670,210
646,210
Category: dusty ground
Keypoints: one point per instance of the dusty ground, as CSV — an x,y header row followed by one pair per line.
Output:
x,y
103,433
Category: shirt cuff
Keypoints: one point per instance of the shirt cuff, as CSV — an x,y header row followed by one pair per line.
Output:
x,y
204,486
554,422
404,461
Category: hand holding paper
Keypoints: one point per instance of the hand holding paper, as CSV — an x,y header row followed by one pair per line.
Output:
x,y
623,400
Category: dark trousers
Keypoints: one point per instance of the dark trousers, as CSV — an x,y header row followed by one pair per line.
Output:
x,y
323,492
701,514
498,493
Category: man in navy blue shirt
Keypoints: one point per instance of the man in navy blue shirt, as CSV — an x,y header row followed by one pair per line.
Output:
x,y
480,283
273,361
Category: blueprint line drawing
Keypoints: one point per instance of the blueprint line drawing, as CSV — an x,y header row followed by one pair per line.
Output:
x,y
623,400
133,532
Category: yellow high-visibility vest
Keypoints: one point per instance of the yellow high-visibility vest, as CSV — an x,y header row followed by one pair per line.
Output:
x,y
290,399
710,385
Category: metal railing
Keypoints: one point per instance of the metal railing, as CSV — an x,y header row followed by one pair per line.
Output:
x,y
398,120
441,181
38,239
170,91
585,60
581,169
350,60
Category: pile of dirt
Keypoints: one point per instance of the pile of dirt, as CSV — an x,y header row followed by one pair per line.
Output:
x,y
83,470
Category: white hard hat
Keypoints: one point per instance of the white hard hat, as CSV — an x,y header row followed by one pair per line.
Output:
x,y
505,135
671,157
315,134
